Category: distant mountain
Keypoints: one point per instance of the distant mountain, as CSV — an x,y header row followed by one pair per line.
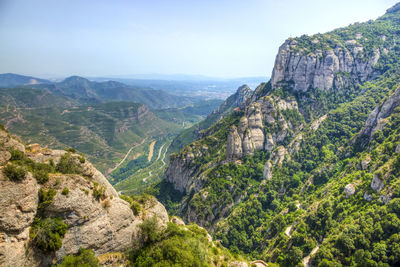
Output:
x,y
12,80
176,77
90,92
103,131
207,88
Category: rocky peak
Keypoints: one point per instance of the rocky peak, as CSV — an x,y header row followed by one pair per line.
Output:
x,y
241,95
335,66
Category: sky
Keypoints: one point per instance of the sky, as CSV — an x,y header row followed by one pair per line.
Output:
x,y
219,38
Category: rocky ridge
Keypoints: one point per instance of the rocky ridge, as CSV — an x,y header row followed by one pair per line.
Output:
x,y
273,122
105,224
336,68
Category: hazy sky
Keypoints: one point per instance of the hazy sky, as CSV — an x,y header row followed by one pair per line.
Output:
x,y
226,38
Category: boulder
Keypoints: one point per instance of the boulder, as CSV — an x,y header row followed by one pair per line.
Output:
x,y
349,190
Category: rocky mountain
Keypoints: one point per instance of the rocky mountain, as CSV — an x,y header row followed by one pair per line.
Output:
x,y
195,132
56,208
294,174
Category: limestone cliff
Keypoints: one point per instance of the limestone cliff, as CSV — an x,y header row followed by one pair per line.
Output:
x,y
95,215
342,64
257,128
378,117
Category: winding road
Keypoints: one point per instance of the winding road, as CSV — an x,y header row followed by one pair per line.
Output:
x,y
122,161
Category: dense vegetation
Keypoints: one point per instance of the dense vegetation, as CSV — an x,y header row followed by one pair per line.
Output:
x,y
176,246
304,209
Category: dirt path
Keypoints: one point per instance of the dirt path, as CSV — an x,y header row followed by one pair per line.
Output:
x,y
163,158
159,152
306,260
288,231
151,148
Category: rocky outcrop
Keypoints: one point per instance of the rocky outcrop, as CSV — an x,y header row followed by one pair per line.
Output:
x,y
250,134
378,117
267,173
377,183
104,223
324,68
234,145
349,190
180,172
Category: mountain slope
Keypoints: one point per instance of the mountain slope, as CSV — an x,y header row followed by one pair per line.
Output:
x,y
189,135
13,80
56,208
104,132
283,178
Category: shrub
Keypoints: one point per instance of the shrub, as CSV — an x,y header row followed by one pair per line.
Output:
x,y
41,176
65,191
71,149
149,231
14,173
46,197
135,207
84,258
68,165
16,154
99,192
47,233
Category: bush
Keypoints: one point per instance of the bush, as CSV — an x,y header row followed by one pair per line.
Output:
x,y
65,191
99,192
46,197
149,231
67,165
14,173
135,207
71,150
84,258
16,154
47,234
172,247
41,176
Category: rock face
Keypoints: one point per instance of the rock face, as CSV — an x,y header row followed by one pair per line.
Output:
x,y
250,135
322,69
179,172
349,190
377,184
377,118
105,224
267,173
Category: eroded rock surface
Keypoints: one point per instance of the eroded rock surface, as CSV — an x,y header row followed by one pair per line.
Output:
x,y
102,222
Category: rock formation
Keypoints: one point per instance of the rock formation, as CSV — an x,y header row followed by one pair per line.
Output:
x,y
340,66
377,118
105,224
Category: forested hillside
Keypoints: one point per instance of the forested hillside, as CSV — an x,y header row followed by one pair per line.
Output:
x,y
307,171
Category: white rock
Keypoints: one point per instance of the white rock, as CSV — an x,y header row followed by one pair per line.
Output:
x,y
349,190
